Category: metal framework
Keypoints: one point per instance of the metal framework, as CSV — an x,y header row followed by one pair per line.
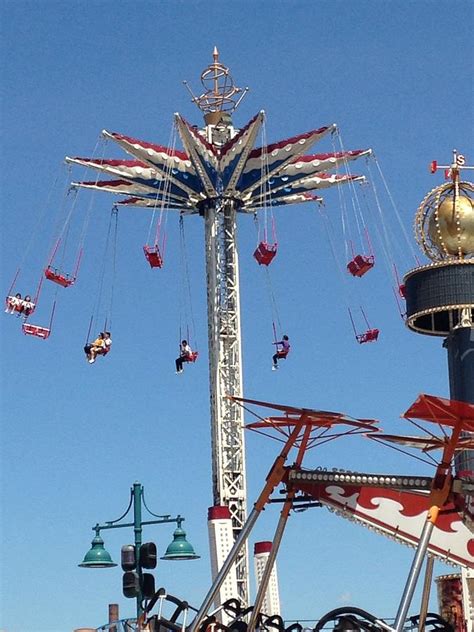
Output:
x,y
225,376
220,174
299,428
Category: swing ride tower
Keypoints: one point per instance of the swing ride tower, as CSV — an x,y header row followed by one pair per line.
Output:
x,y
219,175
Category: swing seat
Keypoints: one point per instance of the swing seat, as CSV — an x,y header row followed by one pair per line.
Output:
x,y
265,253
282,353
102,352
153,256
36,330
370,335
402,290
194,356
360,265
52,274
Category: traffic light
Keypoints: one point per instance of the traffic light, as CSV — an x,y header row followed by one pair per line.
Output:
x,y
148,555
134,582
148,585
131,584
127,557
130,580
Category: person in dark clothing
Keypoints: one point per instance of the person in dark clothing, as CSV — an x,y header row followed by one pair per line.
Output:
x,y
185,355
282,350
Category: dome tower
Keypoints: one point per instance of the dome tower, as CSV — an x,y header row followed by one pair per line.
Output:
x,y
440,295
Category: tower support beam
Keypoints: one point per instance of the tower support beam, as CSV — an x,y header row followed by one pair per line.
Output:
x,y
225,374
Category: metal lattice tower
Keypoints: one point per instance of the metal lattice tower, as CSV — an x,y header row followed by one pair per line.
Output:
x,y
225,374
219,175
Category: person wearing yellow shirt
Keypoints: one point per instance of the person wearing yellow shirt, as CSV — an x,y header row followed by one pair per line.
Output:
x,y
97,347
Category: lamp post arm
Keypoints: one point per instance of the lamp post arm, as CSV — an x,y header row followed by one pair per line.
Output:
x,y
107,525
126,510
163,521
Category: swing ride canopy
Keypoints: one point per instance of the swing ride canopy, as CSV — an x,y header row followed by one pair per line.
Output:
x,y
273,175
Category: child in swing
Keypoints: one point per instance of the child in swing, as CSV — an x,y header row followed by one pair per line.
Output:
x,y
282,350
185,355
28,306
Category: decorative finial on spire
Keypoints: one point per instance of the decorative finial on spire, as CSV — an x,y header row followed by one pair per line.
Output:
x,y
220,91
451,171
444,222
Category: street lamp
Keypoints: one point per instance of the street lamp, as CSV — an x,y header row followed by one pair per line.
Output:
x,y
137,556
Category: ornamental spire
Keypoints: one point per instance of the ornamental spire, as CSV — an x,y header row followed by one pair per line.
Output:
x,y
219,98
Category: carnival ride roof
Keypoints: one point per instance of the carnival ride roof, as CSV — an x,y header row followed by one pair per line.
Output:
x,y
293,414
438,410
271,175
424,444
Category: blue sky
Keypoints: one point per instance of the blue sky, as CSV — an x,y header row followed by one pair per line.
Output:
x,y
394,76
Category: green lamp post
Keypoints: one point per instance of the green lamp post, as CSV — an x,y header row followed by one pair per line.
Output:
x,y
138,556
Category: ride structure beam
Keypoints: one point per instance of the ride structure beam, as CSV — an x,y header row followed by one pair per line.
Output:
x,y
225,374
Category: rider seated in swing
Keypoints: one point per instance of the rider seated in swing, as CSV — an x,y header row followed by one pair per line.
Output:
x,y
28,306
185,355
282,350
14,304
107,342
100,346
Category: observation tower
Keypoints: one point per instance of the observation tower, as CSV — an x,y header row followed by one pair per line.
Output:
x,y
218,175
440,295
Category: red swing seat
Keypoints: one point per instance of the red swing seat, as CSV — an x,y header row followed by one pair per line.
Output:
x,y
402,290
193,357
153,256
370,335
103,351
52,274
265,253
360,265
36,330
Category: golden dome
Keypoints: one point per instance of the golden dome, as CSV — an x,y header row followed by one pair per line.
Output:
x,y
444,222
451,226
